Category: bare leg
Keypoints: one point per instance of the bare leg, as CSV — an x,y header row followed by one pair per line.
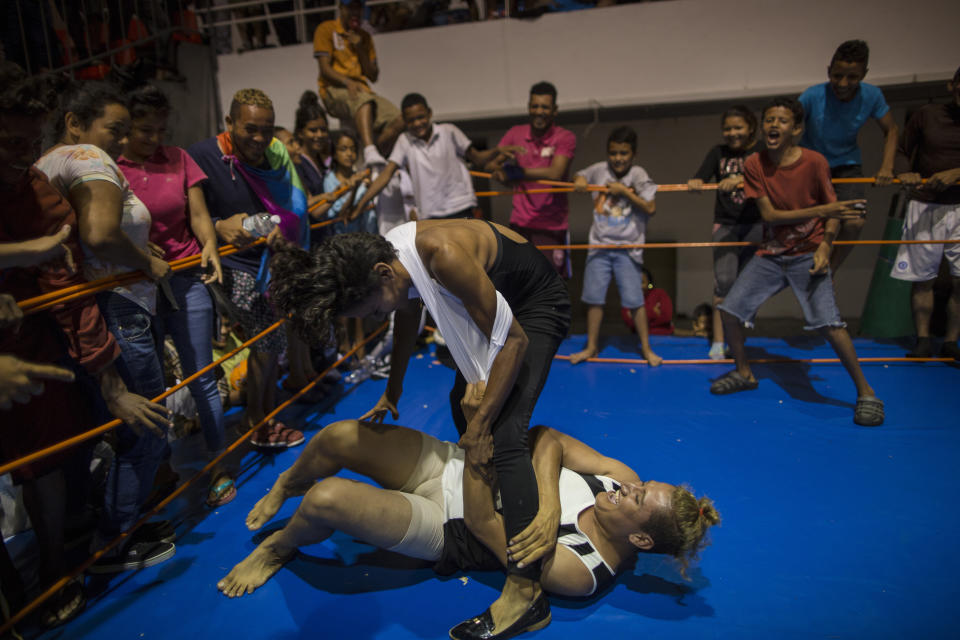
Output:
x,y
261,383
363,119
717,321
518,593
45,501
849,230
840,340
376,516
388,135
953,313
734,332
921,303
640,320
921,300
301,369
385,453
594,318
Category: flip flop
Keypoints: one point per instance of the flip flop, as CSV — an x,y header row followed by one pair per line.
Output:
x,y
222,492
65,605
869,412
277,435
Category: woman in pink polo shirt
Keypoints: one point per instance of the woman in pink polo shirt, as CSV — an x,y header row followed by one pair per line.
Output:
x,y
167,180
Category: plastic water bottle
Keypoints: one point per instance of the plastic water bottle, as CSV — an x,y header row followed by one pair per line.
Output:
x,y
362,372
261,224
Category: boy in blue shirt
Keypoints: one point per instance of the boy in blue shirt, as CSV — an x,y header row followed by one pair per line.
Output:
x,y
836,110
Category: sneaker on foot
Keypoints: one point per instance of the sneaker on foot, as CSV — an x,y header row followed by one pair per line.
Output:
x,y
718,351
372,157
156,531
923,349
138,555
950,350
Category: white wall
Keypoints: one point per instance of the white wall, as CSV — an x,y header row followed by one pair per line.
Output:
x,y
643,54
676,51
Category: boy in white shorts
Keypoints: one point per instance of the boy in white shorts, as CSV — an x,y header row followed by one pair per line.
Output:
x,y
930,149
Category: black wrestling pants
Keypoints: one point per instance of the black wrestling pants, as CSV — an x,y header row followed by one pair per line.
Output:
x,y
511,457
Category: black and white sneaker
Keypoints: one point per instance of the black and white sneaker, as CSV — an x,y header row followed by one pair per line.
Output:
x,y
381,368
138,555
155,531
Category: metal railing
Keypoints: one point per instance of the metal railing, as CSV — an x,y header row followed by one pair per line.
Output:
x,y
57,16
226,15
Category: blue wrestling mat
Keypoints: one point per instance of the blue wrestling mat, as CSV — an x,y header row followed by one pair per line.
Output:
x,y
829,530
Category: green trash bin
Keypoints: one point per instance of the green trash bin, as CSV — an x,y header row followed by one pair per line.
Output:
x,y
886,313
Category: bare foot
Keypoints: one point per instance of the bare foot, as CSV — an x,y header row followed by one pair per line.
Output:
x,y
580,356
652,359
254,570
268,505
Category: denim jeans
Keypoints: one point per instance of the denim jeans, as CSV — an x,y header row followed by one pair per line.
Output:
x,y
131,475
191,328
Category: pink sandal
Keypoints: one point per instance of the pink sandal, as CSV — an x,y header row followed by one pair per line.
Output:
x,y
276,435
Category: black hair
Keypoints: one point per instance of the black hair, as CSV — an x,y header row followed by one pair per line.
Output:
x,y
544,89
308,109
703,309
411,100
623,135
852,51
86,101
742,111
277,129
147,99
335,140
788,103
315,288
24,96
956,75
649,275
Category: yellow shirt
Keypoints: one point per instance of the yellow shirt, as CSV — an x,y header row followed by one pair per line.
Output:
x,y
330,40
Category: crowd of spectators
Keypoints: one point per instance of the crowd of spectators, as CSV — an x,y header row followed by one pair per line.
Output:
x,y
107,197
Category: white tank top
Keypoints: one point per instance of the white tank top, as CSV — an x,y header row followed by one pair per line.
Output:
x,y
471,350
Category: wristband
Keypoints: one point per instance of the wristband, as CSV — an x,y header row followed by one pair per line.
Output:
x,y
512,172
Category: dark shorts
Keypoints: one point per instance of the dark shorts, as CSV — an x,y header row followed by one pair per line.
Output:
x,y
848,191
252,310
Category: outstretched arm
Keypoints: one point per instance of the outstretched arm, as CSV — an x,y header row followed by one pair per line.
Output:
x,y
492,157
406,323
841,209
580,457
374,190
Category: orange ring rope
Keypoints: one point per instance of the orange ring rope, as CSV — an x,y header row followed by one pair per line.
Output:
x,y
62,582
67,294
672,187
685,245
757,361
87,435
